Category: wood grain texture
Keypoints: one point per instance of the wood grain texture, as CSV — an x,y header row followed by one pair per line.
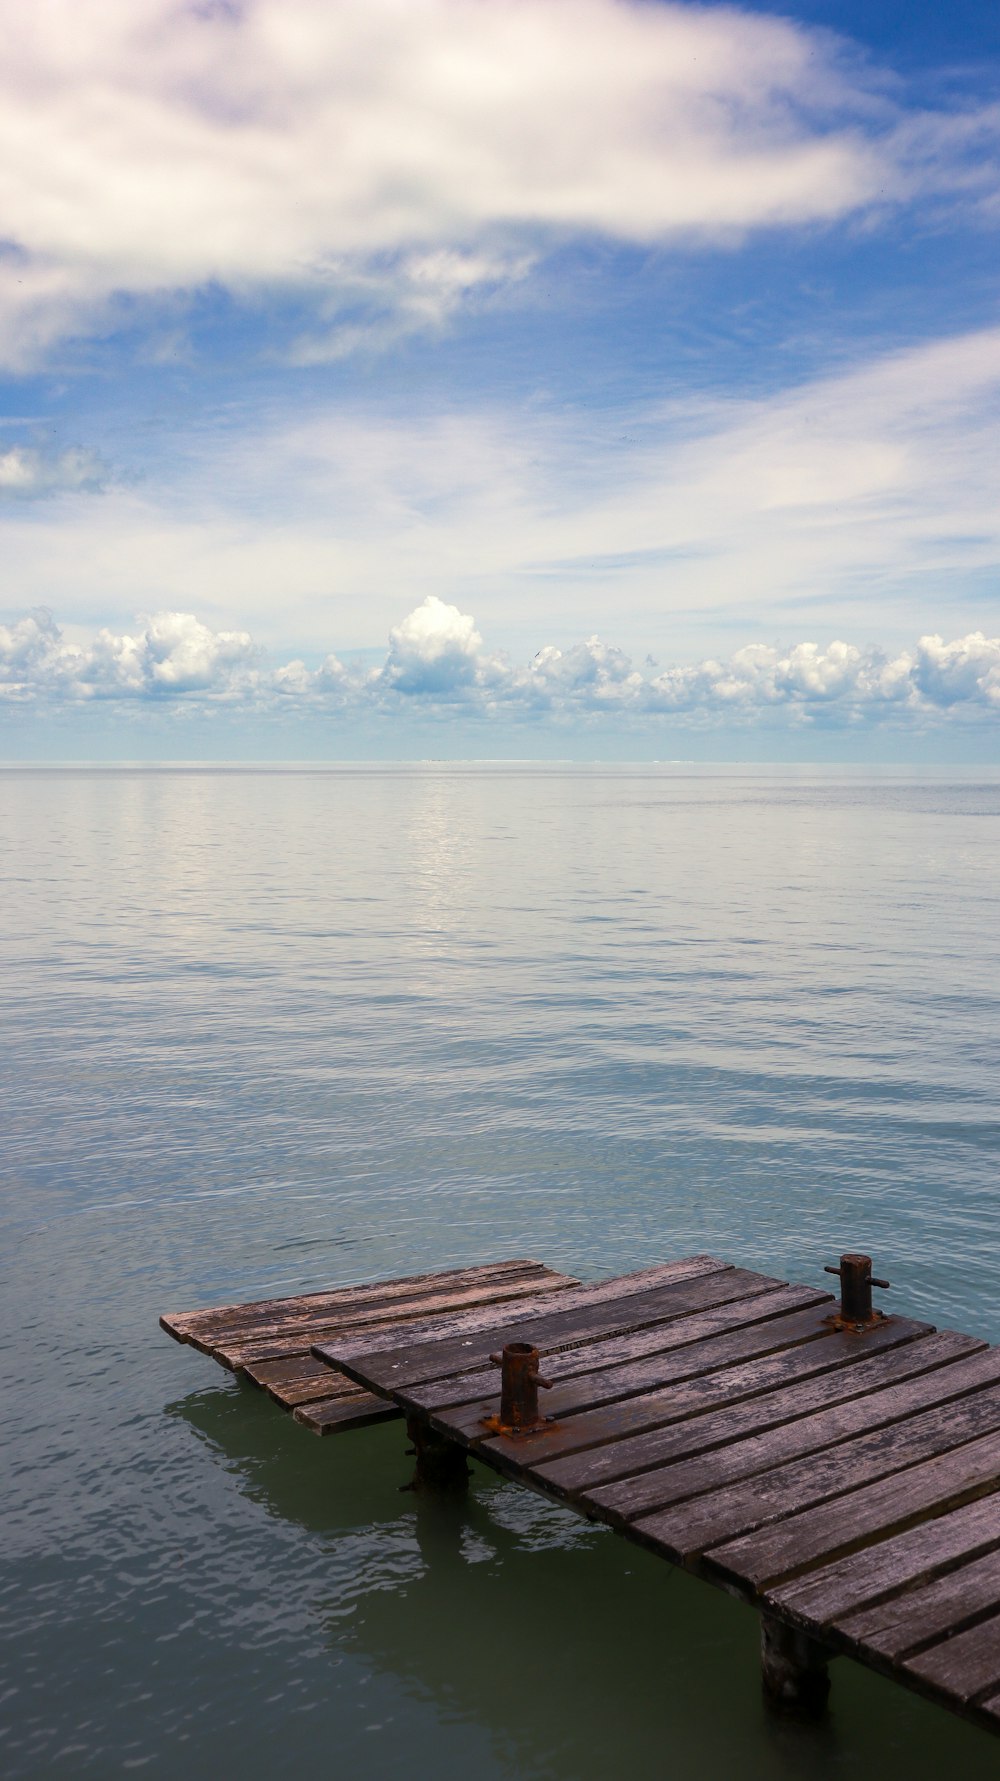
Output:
x,y
675,1436
396,1372
848,1483
313,1388
863,1516
828,1467
913,1618
322,1306
842,1586
374,1349
594,1353
267,1341
965,1665
334,1416
690,1380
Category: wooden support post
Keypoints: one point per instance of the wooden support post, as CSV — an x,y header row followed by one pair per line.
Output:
x,y
793,1670
440,1463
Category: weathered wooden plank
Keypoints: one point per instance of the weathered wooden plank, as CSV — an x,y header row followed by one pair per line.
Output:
x,y
818,1535
625,1395
669,1439
234,1348
966,1665
826,1595
402,1309
308,1382
456,1329
901,1626
336,1415
287,1371
325,1385
751,1482
185,1325
691,1527
658,1338
645,1310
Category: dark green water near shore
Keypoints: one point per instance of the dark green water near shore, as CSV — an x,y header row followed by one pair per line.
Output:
x,y
269,1031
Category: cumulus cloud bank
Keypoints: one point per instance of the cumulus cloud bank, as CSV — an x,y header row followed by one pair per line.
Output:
x,y
171,656
437,663
423,152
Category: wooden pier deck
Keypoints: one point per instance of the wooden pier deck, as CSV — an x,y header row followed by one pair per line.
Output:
x,y
845,1482
842,1477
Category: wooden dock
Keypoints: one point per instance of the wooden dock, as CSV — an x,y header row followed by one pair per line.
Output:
x,y
837,1469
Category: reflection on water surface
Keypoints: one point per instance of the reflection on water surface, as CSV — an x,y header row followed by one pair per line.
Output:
x,y
272,1031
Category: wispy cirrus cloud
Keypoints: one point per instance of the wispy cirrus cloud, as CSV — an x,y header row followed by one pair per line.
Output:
x,y
391,159
437,664
877,479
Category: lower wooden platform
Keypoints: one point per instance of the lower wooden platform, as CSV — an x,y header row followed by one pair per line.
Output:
x,y
846,1483
270,1341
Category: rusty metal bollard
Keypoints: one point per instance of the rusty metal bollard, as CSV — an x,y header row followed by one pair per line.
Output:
x,y
519,1385
856,1282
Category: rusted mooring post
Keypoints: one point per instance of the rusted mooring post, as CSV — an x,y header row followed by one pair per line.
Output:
x,y
440,1463
519,1384
856,1282
794,1671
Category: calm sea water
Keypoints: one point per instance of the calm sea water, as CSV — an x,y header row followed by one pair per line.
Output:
x,y
267,1031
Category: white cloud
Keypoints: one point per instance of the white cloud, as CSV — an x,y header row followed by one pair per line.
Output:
x,y
431,146
438,651
374,306
437,660
968,670
26,473
172,655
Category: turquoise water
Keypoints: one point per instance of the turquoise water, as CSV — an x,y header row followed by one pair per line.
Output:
x,y
269,1031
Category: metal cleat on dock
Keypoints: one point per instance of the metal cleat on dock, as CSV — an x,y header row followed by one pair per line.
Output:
x,y
856,1282
519,1383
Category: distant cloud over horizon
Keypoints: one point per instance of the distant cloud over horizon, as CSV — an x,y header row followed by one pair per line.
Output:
x,y
659,336
437,664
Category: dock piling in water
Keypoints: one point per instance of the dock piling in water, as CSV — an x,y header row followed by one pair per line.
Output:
x,y
794,1670
441,1464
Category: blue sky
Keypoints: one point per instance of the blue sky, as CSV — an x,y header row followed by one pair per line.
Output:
x,y
490,377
